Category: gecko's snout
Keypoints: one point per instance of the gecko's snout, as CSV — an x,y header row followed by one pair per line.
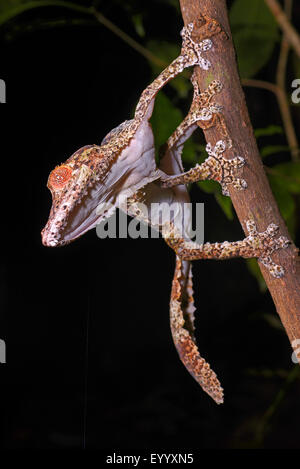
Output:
x,y
48,240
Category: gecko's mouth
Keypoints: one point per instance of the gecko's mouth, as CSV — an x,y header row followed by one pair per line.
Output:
x,y
71,219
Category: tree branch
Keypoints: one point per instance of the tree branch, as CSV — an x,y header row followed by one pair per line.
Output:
x,y
257,200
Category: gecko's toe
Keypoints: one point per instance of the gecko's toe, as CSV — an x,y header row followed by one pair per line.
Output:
x,y
283,242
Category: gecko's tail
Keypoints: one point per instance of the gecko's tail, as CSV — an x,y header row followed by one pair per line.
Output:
x,y
182,327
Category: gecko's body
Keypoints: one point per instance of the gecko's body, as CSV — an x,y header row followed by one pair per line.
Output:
x,y
121,172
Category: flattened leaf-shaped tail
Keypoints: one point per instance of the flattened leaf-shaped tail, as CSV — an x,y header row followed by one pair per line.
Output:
x,y
182,327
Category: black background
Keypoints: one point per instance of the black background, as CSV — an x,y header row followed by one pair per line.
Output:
x,y
67,87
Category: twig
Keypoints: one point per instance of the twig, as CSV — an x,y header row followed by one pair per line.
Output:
x,y
291,34
23,7
282,97
131,42
284,110
266,85
284,49
279,90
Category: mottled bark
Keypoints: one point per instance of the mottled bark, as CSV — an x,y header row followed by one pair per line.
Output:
x,y
257,200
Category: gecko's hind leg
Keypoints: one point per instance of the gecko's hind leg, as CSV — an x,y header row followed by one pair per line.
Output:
x,y
181,318
256,244
275,270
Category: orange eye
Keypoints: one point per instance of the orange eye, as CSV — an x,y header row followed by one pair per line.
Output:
x,y
59,177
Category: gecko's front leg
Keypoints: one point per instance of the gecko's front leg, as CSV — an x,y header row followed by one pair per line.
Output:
x,y
216,167
195,41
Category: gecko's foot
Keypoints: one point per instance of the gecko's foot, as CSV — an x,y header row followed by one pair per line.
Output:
x,y
214,87
201,108
267,244
191,51
195,40
206,27
204,116
215,167
222,169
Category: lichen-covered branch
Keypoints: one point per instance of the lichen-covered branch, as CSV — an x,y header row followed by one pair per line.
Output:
x,y
257,201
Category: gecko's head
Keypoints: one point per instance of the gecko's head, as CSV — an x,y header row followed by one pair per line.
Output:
x,y
90,184
73,185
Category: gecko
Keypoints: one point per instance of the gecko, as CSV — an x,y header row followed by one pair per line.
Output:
x,y
122,173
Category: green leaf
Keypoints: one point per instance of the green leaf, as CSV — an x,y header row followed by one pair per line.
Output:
x,y
181,85
166,51
273,149
255,33
255,271
138,24
273,321
193,153
9,9
210,187
213,187
189,152
269,130
285,201
165,118
288,176
225,204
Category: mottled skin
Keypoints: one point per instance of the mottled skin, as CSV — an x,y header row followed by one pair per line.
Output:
x,y
121,172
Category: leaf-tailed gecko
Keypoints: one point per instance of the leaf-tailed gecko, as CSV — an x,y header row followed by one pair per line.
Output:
x,y
122,173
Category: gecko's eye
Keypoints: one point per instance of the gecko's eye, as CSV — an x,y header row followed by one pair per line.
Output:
x,y
59,177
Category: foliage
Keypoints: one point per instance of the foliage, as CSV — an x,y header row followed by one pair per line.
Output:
x,y
256,37
255,34
166,117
